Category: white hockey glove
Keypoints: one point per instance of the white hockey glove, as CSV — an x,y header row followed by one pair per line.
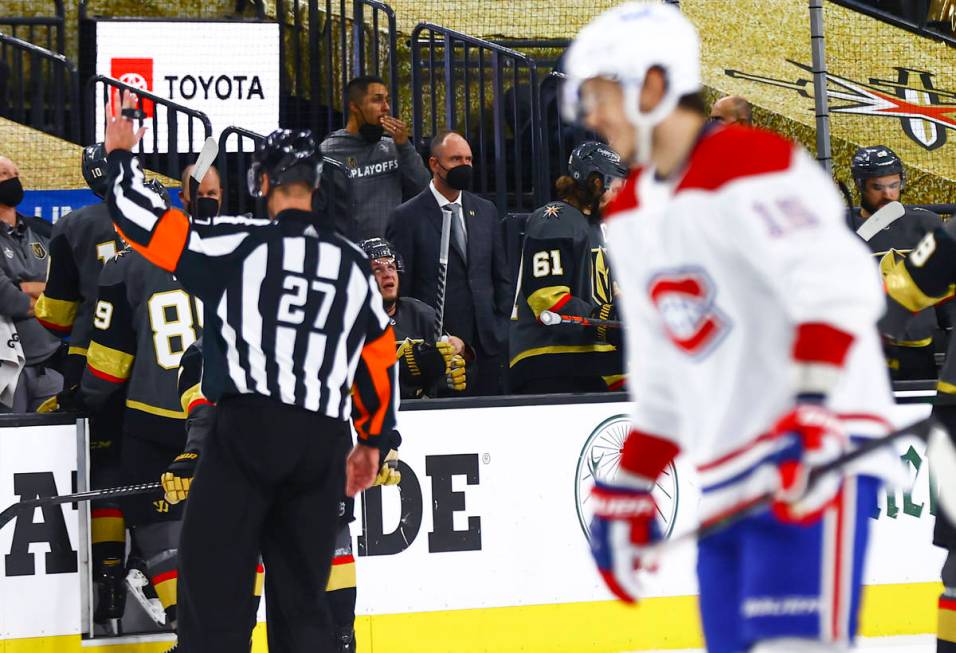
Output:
x,y
816,438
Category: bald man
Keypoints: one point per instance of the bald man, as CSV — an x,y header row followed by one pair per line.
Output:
x,y
478,289
732,110
24,253
208,197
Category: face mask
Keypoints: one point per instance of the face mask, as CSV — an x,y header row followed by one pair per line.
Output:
x,y
11,191
371,133
459,177
206,207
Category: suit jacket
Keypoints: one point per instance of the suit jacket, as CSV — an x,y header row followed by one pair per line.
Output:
x,y
477,296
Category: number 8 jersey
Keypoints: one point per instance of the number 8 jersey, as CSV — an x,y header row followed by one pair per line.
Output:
x,y
143,321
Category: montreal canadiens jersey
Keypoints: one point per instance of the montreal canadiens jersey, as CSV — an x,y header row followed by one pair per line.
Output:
x,y
719,270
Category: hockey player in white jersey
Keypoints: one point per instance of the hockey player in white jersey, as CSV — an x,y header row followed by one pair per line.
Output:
x,y
752,349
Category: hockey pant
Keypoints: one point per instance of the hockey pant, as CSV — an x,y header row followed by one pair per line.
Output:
x,y
107,527
762,579
155,524
270,479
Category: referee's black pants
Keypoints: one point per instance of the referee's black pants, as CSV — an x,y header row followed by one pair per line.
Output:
x,y
270,478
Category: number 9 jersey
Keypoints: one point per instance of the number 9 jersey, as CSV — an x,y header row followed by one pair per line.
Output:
x,y
143,321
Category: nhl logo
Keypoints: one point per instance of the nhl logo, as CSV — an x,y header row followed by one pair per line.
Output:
x,y
38,250
600,458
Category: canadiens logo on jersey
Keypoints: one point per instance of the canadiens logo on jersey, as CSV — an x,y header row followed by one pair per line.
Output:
x,y
685,299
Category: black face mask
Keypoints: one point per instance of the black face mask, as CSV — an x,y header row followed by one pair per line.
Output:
x,y
371,133
459,177
11,191
206,207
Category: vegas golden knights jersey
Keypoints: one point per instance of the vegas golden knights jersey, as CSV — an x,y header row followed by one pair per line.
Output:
x,y
83,240
564,269
143,321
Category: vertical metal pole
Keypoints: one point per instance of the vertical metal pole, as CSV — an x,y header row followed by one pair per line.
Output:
x,y
820,100
83,531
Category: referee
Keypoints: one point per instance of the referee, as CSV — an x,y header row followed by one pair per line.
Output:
x,y
300,342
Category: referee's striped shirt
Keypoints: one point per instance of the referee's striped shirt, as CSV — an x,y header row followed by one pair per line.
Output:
x,y
298,315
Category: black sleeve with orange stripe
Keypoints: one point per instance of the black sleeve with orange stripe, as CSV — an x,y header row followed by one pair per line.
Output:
x,y
112,349
56,308
164,236
375,387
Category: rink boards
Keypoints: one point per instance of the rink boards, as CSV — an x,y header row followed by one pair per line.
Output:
x,y
481,548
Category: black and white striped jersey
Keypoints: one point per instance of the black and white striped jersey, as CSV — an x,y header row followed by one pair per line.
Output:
x,y
298,314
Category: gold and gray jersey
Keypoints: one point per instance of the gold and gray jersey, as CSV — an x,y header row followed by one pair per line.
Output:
x,y
925,278
564,269
143,321
83,240
24,253
383,175
893,244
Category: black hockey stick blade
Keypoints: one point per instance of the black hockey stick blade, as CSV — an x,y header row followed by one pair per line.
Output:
x,y
90,495
926,429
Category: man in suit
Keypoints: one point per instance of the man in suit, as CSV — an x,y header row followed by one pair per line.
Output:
x,y
477,297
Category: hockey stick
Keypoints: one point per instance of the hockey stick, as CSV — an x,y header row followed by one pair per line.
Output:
x,y
880,220
550,318
89,495
207,156
442,271
940,451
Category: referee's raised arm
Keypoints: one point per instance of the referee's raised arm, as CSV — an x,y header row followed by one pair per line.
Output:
x,y
300,344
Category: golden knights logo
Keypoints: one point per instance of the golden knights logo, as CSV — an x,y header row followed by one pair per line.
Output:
x,y
925,112
602,291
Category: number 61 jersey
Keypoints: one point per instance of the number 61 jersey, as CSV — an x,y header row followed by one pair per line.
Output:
x,y
143,321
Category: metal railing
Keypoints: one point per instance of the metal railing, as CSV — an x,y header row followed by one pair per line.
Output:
x,y
168,145
232,169
490,94
43,31
912,15
39,88
324,45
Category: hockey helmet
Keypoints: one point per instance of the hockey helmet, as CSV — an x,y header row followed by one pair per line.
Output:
x,y
622,45
376,248
592,157
94,169
876,161
286,156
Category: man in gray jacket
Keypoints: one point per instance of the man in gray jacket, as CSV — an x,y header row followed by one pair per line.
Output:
x,y
385,168
24,253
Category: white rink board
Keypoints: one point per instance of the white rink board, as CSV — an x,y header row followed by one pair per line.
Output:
x,y
40,602
532,549
227,70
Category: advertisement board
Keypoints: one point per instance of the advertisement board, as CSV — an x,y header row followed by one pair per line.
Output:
x,y
227,70
486,529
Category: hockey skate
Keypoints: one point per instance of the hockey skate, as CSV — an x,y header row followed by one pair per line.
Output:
x,y
142,591
110,595
345,640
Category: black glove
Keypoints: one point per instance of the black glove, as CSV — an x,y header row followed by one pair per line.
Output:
x,y
611,336
179,476
423,364
68,400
